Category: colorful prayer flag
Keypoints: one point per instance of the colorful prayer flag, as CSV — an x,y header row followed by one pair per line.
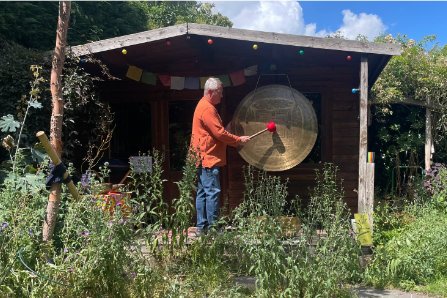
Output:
x,y
237,77
251,71
148,78
177,83
192,83
134,73
165,80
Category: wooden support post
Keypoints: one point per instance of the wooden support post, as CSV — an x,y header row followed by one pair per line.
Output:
x,y
363,143
369,202
428,137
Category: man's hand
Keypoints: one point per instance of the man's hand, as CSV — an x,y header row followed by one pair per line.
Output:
x,y
245,139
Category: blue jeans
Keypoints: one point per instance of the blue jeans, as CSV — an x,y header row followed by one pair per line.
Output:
x,y
207,199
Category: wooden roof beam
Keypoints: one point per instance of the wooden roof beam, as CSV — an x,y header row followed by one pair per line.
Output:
x,y
336,44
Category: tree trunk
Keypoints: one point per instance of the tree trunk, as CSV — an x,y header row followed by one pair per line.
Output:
x,y
57,112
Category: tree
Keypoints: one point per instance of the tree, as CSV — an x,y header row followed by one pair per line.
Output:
x,y
168,13
417,78
32,24
57,112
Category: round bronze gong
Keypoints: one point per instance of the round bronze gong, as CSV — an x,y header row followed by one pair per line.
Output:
x,y
296,127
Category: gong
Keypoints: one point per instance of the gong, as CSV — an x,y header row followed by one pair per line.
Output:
x,y
296,127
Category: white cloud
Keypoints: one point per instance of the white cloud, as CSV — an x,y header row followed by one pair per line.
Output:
x,y
369,25
272,16
286,16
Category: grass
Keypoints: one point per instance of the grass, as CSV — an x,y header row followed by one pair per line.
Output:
x,y
436,287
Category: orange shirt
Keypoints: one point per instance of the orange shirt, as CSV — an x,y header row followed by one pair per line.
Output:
x,y
209,138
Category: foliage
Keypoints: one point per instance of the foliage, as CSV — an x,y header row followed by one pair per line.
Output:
x,y
183,205
437,287
418,75
94,251
32,24
414,256
8,124
435,183
168,13
18,89
410,240
148,192
389,220
318,262
264,194
87,126
88,121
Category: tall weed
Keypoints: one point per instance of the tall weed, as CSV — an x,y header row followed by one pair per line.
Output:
x,y
320,262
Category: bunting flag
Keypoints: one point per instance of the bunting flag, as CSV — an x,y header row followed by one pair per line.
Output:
x,y
177,83
202,82
225,79
134,73
235,78
251,71
192,83
165,80
148,78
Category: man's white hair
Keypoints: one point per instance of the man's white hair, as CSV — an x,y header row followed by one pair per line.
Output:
x,y
212,84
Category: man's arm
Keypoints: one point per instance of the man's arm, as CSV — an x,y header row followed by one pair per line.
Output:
x,y
214,124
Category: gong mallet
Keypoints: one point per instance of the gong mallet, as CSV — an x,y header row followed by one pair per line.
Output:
x,y
271,127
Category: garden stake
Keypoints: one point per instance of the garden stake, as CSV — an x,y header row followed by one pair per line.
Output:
x,y
56,161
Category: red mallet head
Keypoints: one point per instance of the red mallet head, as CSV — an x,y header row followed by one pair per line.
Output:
x,y
271,126
348,58
210,41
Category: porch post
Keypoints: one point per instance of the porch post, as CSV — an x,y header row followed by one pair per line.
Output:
x,y
363,144
428,137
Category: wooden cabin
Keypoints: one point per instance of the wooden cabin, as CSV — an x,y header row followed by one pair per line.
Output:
x,y
151,113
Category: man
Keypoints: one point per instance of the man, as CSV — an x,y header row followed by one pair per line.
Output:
x,y
209,140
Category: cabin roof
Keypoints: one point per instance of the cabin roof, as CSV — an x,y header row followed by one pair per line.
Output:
x,y
183,50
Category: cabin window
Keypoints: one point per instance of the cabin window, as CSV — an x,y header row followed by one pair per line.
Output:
x,y
315,155
132,134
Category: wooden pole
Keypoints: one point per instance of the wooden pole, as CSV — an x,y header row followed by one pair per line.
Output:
x,y
428,137
57,113
258,133
363,142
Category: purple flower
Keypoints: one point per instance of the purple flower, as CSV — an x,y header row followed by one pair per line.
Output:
x,y
30,232
85,180
4,226
85,233
65,250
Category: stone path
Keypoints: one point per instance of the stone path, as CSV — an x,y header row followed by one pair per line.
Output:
x,y
375,293
362,292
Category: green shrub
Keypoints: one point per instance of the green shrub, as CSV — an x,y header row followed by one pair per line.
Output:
x,y
414,256
314,264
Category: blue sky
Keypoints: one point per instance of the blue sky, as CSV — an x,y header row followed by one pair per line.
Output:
x,y
416,19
